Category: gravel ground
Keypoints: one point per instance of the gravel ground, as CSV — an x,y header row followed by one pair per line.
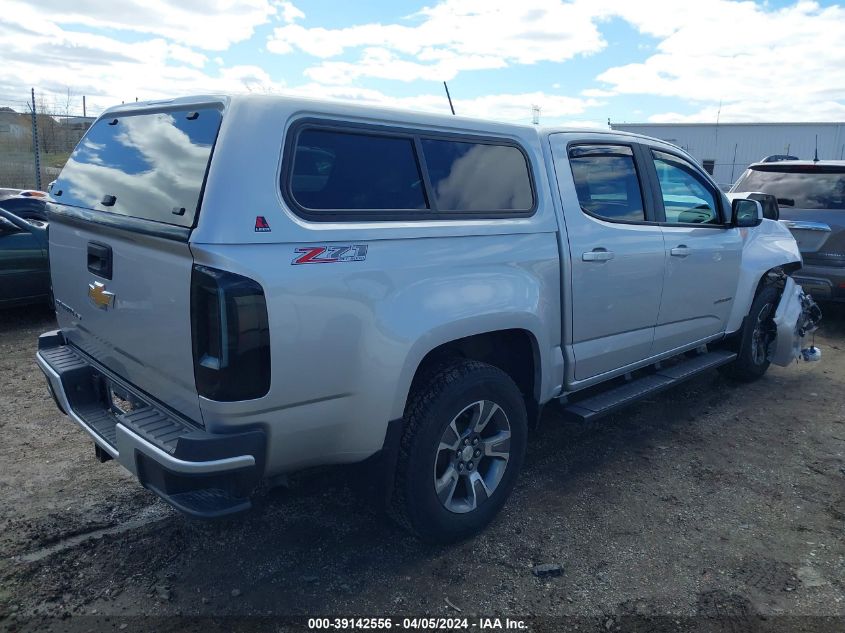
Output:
x,y
709,500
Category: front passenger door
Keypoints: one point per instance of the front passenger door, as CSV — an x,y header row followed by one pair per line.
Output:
x,y
702,254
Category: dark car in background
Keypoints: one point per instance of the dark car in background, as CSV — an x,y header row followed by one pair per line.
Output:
x,y
811,199
28,204
24,265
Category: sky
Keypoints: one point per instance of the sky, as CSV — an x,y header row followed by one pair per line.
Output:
x,y
581,61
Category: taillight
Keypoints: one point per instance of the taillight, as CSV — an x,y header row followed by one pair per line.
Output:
x,y
231,336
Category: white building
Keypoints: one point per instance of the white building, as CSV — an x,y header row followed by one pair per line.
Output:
x,y
726,149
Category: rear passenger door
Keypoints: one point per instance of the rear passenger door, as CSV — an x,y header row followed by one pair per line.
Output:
x,y
702,253
616,251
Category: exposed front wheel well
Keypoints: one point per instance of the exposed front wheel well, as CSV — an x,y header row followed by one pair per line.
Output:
x,y
773,277
776,276
514,351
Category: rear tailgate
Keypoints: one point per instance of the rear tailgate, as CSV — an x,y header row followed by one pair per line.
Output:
x,y
120,261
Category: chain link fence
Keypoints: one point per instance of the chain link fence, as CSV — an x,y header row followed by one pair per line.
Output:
x,y
33,149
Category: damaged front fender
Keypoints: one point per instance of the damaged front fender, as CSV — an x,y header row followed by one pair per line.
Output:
x,y
796,316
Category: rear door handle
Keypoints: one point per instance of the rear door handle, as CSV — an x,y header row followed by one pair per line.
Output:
x,y
680,251
100,259
597,255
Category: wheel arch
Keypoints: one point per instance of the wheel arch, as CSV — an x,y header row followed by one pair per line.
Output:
x,y
516,350
749,287
761,283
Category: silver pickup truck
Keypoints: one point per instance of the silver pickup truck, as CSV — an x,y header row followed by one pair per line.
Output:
x,y
250,285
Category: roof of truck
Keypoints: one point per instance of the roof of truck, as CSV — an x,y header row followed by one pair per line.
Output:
x,y
358,108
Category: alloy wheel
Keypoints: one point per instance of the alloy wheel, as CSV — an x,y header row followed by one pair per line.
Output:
x,y
472,456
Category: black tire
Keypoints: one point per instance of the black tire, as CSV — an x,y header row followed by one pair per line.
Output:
x,y
456,387
751,363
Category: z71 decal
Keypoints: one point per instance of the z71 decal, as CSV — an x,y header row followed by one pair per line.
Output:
x,y
330,254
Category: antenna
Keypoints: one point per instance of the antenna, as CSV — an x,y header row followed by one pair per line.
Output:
x,y
716,130
733,164
816,157
449,97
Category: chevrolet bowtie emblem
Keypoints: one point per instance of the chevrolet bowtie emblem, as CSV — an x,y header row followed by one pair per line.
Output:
x,y
99,296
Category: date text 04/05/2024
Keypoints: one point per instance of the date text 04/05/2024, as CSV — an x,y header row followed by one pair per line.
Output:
x,y
426,623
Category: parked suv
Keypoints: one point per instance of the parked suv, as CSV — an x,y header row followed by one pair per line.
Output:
x,y
811,197
248,286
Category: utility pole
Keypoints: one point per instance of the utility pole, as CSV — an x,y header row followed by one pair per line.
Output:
x,y
84,113
35,144
535,114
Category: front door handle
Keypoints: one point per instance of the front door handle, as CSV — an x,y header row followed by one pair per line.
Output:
x,y
597,255
680,251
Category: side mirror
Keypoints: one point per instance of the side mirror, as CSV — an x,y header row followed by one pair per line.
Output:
x,y
771,210
7,228
746,213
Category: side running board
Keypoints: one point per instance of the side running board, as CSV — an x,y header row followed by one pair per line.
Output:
x,y
607,402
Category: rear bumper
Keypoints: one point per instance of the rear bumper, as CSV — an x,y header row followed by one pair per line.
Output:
x,y
826,283
199,473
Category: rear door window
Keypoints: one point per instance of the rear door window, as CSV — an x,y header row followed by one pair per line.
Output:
x,y
606,182
339,170
469,176
150,165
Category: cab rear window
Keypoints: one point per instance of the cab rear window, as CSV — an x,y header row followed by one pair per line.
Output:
x,y
150,165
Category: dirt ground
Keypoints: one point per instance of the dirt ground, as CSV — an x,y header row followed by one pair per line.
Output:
x,y
709,500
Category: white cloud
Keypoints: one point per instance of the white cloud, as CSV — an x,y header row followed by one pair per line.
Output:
x,y
515,107
760,61
763,64
183,54
380,63
759,110
449,37
206,24
598,92
107,70
290,13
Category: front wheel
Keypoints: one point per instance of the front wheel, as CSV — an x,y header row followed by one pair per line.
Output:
x,y
756,337
461,450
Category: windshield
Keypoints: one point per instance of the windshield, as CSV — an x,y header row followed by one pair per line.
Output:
x,y
805,187
150,165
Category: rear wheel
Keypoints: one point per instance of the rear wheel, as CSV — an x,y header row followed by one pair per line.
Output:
x,y
757,335
462,447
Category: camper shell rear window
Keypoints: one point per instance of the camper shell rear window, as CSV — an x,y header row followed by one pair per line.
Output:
x,y
346,172
146,165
